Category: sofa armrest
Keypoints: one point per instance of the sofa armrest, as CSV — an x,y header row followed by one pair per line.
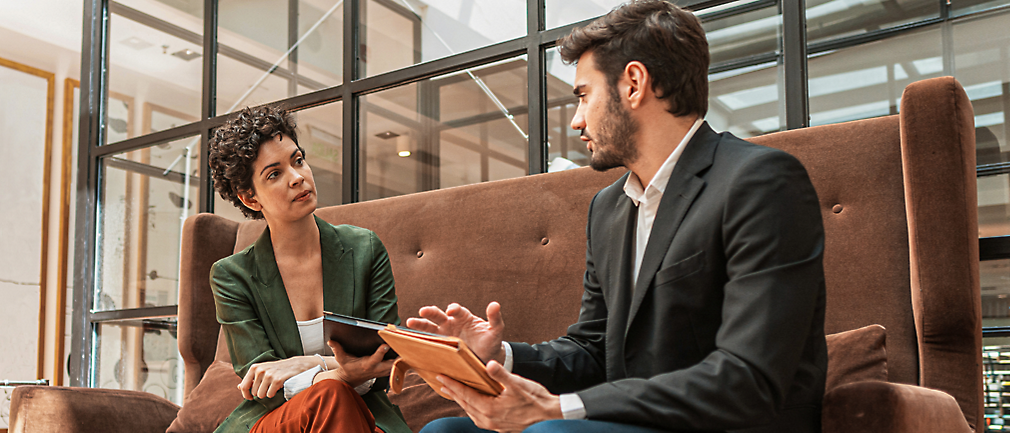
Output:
x,y
64,409
890,407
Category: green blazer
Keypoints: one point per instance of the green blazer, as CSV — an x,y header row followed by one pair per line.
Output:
x,y
259,324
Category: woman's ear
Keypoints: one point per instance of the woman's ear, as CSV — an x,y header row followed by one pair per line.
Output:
x,y
249,200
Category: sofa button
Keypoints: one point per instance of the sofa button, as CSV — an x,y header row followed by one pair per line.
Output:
x,y
544,241
419,254
837,208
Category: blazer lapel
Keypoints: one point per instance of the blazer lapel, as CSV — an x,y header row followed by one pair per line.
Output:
x,y
279,315
338,271
620,259
681,190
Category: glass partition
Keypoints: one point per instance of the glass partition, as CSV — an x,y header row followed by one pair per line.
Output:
x,y
140,356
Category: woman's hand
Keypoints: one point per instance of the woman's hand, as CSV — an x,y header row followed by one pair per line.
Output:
x,y
263,380
354,370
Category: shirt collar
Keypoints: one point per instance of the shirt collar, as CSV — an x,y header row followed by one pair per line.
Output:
x,y
633,186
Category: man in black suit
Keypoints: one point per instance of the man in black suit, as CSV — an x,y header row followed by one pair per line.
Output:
x,y
704,295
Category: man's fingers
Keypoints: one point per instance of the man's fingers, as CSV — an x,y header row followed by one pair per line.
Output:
x,y
494,317
433,314
423,325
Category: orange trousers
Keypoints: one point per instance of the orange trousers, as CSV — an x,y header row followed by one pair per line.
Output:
x,y
328,406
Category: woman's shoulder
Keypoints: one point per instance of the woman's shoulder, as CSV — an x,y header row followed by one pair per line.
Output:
x,y
352,234
238,263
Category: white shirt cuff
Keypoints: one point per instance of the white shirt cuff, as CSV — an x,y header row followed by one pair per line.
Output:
x,y
508,356
299,382
365,387
572,406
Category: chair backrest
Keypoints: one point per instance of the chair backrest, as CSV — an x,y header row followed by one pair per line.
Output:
x,y
522,242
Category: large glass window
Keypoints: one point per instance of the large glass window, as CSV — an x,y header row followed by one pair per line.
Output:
x,y
399,33
558,13
457,129
140,356
738,36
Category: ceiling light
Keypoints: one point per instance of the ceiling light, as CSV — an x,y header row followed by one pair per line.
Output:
x,y
186,54
135,43
403,153
387,135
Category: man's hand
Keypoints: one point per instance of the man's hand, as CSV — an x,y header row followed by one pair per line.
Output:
x,y
522,403
356,371
263,380
484,337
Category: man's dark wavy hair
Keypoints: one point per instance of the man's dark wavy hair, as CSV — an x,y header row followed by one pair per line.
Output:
x,y
668,40
236,144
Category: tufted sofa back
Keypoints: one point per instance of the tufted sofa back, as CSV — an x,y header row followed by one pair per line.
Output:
x,y
899,206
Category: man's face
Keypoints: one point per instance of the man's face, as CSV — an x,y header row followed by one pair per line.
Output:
x,y
607,126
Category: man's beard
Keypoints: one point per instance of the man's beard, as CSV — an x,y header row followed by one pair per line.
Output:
x,y
613,141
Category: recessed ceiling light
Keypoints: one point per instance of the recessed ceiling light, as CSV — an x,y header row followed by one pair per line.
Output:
x,y
135,43
186,54
403,153
387,135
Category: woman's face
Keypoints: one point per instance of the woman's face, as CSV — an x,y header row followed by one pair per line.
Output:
x,y
283,187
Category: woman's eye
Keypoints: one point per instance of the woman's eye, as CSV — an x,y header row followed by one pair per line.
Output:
x,y
272,175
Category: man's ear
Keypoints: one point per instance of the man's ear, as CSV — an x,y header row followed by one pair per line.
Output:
x,y
249,200
638,81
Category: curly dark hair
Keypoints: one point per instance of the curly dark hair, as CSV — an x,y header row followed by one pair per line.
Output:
x,y
668,40
236,144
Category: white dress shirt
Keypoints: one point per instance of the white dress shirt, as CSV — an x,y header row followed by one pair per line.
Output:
x,y
647,200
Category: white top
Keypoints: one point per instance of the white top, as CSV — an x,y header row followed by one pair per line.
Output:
x,y
311,333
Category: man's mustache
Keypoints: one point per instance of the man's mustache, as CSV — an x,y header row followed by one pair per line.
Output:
x,y
585,133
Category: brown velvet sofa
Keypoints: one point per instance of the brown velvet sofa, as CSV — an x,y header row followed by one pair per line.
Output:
x,y
899,206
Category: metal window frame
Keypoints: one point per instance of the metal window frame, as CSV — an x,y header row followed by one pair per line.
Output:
x,y
94,81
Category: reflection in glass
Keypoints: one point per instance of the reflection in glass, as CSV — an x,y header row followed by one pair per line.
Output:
x,y
564,12
743,35
143,202
981,59
150,66
456,129
140,356
400,33
832,19
745,101
263,58
867,80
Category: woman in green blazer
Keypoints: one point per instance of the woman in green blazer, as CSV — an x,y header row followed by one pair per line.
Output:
x,y
271,296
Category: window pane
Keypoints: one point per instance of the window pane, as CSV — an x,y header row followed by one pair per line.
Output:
x,y
981,61
994,205
564,147
139,224
148,66
745,101
320,134
742,35
140,356
867,80
560,13
832,19
400,33
446,131
263,58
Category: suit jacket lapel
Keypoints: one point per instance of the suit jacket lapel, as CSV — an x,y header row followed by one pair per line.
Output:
x,y
681,190
279,315
338,271
620,259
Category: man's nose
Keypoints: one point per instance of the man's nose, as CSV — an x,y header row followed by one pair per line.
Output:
x,y
578,121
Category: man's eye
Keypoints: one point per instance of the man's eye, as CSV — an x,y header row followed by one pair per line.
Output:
x,y
299,161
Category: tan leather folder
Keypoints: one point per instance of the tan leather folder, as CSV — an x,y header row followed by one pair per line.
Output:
x,y
430,355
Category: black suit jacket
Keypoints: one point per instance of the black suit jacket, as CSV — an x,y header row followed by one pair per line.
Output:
x,y
724,329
